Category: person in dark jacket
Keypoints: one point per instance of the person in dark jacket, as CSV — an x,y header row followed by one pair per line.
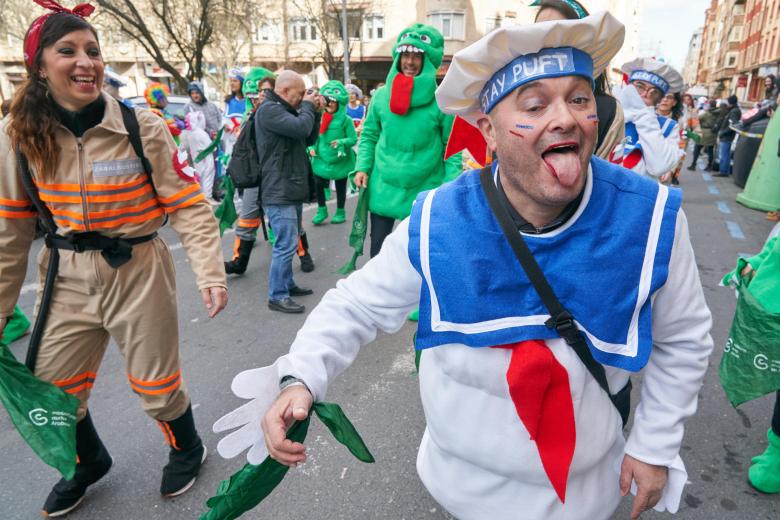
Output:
x,y
726,136
286,123
708,119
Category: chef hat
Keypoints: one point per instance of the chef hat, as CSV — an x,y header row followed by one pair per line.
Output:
x,y
486,71
659,74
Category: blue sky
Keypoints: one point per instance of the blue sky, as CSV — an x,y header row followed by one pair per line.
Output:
x,y
667,25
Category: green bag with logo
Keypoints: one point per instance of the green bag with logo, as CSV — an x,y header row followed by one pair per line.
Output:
x,y
44,415
750,366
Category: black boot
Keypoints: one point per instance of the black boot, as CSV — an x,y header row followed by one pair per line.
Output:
x,y
94,462
240,258
185,457
307,262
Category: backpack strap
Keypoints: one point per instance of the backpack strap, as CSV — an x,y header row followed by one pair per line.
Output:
x,y
134,134
44,214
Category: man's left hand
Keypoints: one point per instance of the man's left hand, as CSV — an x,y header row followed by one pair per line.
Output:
x,y
215,299
650,482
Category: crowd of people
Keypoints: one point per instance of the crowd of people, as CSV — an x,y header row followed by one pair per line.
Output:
x,y
572,172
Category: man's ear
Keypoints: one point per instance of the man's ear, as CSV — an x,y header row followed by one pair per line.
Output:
x,y
485,125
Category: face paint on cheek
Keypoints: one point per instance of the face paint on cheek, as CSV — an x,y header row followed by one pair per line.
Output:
x,y
525,127
594,118
517,134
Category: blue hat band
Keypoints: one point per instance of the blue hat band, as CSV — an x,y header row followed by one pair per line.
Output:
x,y
649,77
547,63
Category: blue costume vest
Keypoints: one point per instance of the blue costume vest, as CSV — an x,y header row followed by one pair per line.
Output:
x,y
604,265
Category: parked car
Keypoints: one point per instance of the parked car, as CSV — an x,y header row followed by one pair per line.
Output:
x,y
176,104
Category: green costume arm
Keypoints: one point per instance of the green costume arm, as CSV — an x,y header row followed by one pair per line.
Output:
x,y
351,138
368,139
756,261
454,165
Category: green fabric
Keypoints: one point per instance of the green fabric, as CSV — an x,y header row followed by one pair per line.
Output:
x,y
15,327
403,154
765,284
764,473
750,366
339,217
226,212
358,233
329,162
250,485
320,216
693,136
210,148
43,414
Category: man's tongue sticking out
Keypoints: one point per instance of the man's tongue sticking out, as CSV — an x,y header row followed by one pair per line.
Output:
x,y
564,164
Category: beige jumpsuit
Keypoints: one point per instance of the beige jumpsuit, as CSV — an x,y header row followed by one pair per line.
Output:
x,y
100,186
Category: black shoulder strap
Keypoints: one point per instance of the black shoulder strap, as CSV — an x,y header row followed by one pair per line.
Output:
x,y
606,108
560,319
134,134
47,220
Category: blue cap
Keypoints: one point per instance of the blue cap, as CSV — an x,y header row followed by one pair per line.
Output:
x,y
648,77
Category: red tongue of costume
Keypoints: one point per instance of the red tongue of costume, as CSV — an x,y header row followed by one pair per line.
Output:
x,y
401,94
327,117
539,388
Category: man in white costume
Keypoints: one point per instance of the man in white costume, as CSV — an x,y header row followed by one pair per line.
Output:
x,y
652,143
524,430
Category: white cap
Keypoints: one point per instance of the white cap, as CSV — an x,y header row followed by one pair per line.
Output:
x,y
484,72
657,73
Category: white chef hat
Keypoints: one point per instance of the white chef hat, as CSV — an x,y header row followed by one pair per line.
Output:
x,y
486,71
659,74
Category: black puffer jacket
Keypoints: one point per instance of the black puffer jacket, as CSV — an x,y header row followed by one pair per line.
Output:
x,y
283,134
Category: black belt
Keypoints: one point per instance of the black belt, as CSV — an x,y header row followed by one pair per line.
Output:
x,y
116,251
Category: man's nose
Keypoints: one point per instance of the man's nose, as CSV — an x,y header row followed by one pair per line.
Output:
x,y
563,119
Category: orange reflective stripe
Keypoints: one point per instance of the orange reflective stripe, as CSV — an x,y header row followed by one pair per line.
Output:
x,y
236,245
162,425
160,386
158,212
119,197
66,213
77,384
186,191
301,250
123,210
170,438
187,203
17,214
91,187
249,223
15,203
58,187
45,197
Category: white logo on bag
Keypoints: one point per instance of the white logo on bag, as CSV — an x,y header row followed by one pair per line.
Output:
x,y
38,417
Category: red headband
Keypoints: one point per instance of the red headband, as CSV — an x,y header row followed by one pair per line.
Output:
x,y
33,37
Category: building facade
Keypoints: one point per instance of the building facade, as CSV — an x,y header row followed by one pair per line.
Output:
x,y
305,35
691,66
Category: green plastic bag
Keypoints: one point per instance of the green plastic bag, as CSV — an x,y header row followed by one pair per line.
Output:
x,y
16,327
358,234
43,414
250,485
750,366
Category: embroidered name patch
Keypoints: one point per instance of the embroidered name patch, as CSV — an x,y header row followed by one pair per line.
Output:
x,y
118,167
547,63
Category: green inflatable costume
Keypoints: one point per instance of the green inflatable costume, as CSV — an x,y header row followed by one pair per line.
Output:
x,y
332,156
405,134
254,77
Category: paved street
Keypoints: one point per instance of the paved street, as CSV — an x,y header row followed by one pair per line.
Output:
x,y
379,394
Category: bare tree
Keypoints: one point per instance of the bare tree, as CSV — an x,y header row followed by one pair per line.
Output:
x,y
170,31
231,43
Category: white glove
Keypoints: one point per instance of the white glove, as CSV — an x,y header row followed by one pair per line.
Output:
x,y
261,385
632,103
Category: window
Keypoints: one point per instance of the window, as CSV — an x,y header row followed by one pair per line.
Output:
x,y
736,34
451,24
302,30
267,32
374,27
731,59
492,23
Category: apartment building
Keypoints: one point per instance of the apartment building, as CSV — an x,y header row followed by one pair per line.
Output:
x,y
759,52
690,69
305,35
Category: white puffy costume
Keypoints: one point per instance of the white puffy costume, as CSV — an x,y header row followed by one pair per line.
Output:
x,y
652,143
477,457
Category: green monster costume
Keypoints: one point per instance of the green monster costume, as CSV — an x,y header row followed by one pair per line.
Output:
x,y
405,134
337,162
254,77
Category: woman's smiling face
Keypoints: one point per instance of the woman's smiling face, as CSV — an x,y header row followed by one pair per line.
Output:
x,y
73,69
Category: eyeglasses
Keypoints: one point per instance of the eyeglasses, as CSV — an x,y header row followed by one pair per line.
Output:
x,y
646,89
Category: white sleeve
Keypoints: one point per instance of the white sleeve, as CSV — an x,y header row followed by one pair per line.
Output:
x,y
674,374
661,154
379,296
